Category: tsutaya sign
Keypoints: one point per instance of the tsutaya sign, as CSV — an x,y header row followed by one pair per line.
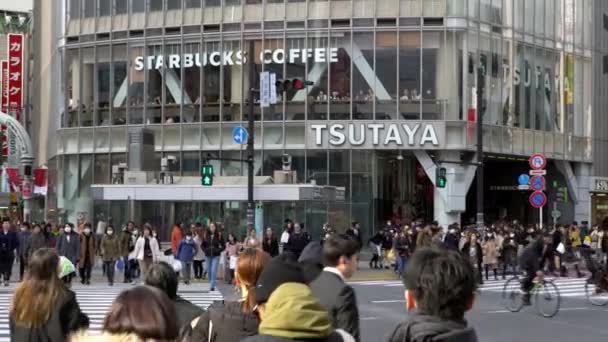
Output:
x,y
238,57
376,135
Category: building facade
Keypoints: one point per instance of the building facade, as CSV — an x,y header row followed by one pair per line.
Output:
x,y
393,97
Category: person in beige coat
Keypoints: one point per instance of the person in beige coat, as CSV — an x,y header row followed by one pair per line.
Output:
x,y
490,254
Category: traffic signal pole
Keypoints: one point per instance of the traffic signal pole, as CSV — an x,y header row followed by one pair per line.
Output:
x,y
480,188
251,129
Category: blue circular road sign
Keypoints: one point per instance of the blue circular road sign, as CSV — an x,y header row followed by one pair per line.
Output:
x,y
537,183
538,199
239,135
523,179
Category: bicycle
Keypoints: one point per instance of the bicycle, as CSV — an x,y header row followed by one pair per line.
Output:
x,y
544,292
595,294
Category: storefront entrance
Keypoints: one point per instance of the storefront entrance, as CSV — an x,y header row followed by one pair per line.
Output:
x,y
404,192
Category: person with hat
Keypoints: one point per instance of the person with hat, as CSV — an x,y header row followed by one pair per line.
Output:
x,y
281,292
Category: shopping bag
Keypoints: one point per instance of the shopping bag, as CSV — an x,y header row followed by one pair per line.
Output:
x,y
120,265
66,267
561,248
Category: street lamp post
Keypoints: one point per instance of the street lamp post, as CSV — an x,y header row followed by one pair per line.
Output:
x,y
480,183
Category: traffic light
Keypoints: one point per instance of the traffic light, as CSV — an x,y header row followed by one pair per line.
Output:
x,y
440,179
207,174
292,84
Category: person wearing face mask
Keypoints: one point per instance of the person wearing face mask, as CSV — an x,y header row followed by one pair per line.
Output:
x,y
472,250
146,250
451,238
22,237
186,250
87,254
490,255
9,243
68,246
110,252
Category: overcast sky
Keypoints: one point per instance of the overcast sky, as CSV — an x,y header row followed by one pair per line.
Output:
x,y
16,5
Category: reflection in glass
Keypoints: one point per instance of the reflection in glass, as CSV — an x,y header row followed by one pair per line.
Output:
x,y
120,84
409,75
87,83
295,108
317,70
386,78
340,77
102,85
363,82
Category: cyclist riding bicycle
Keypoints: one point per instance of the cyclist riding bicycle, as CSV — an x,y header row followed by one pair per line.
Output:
x,y
599,276
531,262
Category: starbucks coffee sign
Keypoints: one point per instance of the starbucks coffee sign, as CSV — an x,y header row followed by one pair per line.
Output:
x,y
230,57
376,135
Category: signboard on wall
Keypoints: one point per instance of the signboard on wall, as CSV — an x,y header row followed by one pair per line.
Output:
x,y
4,67
15,90
375,135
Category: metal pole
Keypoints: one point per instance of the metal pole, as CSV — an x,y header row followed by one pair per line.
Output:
x,y
540,217
480,187
251,128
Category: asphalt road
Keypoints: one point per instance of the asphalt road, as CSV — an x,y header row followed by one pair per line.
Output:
x,y
382,307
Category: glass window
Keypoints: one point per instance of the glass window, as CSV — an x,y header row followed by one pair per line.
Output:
x,y
211,81
518,15
316,164
232,168
174,4
232,83
136,86
121,6
156,5
102,169
87,83
278,58
386,78
529,16
409,75
138,6
295,107
193,3
340,76
191,83
339,169
549,18
317,73
518,74
89,8
190,163
74,9
214,3
540,17
85,175
103,85
119,84
72,88
105,7
171,76
363,76
154,96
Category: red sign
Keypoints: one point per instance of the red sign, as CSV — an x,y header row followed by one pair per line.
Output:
x,y
15,86
4,65
537,183
537,161
538,199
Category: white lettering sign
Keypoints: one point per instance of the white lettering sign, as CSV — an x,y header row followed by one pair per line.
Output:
x,y
381,135
216,58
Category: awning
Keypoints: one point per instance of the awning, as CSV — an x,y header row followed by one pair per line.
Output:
x,y
216,193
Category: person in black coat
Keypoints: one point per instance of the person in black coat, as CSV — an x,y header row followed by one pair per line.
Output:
x,y
37,315
472,251
270,244
213,245
355,232
311,261
163,277
9,243
297,241
452,238
341,257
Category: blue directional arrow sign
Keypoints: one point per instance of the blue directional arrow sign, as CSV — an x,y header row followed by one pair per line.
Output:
x,y
523,179
239,135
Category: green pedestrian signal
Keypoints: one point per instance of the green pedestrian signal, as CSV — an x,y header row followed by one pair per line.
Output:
x,y
207,175
440,178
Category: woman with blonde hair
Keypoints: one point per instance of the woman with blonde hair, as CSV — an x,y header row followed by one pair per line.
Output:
x,y
43,308
232,321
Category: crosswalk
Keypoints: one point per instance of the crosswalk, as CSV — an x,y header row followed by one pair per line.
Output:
x,y
95,300
568,287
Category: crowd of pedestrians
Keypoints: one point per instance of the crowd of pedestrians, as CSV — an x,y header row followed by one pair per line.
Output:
x,y
494,251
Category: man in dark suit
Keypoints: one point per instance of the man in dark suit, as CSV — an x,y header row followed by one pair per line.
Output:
x,y
340,252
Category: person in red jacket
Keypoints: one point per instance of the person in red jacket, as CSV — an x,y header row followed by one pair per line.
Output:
x,y
176,237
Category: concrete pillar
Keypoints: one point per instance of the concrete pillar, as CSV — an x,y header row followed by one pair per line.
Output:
x,y
582,207
449,202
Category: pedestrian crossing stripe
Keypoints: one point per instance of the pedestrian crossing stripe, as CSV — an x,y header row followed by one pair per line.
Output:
x,y
95,301
568,287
